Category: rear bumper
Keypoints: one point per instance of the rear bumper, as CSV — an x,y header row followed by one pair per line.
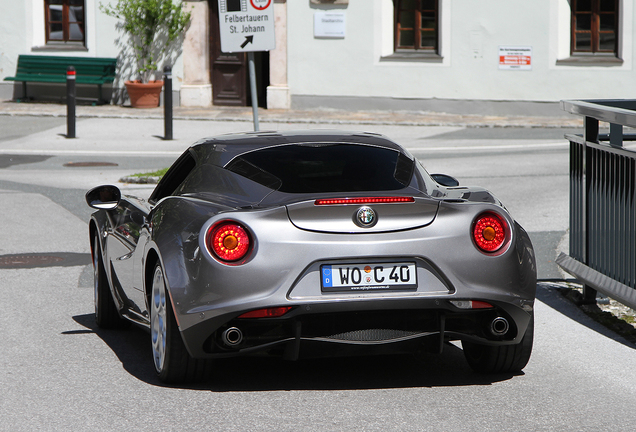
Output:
x,y
313,330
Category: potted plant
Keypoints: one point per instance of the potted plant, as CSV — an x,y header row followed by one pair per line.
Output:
x,y
153,27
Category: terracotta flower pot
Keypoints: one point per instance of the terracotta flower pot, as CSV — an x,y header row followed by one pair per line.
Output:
x,y
144,95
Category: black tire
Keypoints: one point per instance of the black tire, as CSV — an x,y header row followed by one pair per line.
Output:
x,y
172,362
503,358
106,314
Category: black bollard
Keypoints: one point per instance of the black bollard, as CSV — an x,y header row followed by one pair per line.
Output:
x,y
70,102
167,103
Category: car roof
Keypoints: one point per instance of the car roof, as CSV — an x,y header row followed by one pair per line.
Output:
x,y
220,150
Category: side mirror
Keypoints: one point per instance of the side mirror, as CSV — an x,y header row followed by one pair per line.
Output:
x,y
445,180
103,197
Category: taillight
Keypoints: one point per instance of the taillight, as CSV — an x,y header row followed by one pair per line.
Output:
x,y
274,312
229,241
471,304
489,232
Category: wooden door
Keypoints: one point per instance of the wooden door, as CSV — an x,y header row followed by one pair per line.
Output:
x,y
229,71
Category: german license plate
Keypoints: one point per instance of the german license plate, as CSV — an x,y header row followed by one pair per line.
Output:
x,y
368,277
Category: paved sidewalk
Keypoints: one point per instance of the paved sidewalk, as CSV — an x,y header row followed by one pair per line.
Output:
x,y
324,116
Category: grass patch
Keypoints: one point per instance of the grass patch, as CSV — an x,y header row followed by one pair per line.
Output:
x,y
159,173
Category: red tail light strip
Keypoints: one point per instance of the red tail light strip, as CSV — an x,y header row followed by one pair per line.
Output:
x,y
477,304
471,304
364,200
274,312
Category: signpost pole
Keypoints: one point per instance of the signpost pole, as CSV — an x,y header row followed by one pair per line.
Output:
x,y
252,68
247,26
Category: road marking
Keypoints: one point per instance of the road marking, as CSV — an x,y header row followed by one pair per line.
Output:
x,y
178,153
90,152
493,147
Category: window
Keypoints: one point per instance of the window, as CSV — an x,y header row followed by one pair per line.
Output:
x,y
173,178
416,26
65,21
328,167
594,27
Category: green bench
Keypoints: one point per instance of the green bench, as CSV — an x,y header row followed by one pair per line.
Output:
x,y
52,69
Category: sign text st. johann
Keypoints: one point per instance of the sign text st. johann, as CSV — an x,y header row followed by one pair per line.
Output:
x,y
246,25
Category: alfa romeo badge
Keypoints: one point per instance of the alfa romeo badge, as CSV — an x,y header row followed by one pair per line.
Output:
x,y
366,216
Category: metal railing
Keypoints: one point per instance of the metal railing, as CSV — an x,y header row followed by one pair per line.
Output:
x,y
603,201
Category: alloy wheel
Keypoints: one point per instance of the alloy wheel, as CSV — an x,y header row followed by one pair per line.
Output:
x,y
159,319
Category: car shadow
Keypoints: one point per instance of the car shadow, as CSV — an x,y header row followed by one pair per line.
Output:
x,y
132,347
548,293
349,373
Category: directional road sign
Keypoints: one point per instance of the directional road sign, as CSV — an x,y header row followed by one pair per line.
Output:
x,y
246,25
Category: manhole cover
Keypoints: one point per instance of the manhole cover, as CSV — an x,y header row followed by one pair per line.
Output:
x,y
35,260
89,164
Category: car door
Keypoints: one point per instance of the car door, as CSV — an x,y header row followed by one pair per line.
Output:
x,y
128,219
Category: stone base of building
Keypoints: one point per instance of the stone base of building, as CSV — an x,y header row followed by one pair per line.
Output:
x,y
199,95
278,97
449,106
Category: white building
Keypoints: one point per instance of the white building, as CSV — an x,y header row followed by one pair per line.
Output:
x,y
378,54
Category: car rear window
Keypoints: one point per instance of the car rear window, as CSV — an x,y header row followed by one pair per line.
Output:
x,y
329,167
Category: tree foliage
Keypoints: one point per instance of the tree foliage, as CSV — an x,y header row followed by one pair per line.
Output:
x,y
152,26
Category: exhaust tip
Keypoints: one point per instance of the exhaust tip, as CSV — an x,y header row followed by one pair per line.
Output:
x,y
499,326
232,336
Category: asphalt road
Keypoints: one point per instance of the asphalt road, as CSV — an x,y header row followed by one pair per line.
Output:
x,y
59,372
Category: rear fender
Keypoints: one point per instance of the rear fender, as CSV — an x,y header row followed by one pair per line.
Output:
x,y
175,226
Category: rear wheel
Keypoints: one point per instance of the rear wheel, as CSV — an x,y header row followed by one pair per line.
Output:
x,y
500,359
172,361
106,314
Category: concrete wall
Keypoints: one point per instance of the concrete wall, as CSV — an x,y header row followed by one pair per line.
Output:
x,y
356,67
356,71
22,32
15,31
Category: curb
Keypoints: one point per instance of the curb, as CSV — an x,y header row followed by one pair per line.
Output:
x,y
318,116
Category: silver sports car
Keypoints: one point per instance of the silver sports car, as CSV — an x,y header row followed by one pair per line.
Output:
x,y
303,244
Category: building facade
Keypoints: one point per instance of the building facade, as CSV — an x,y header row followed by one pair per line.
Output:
x,y
371,54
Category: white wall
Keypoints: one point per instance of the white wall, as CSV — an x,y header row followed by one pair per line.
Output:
x,y
22,32
14,31
471,33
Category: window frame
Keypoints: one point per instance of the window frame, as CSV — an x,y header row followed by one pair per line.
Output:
x,y
66,24
417,28
595,31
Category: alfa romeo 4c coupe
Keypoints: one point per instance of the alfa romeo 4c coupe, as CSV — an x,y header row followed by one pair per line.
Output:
x,y
311,243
